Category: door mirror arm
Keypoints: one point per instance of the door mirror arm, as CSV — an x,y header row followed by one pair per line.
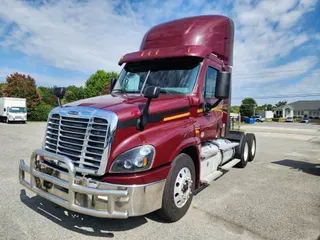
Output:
x,y
208,106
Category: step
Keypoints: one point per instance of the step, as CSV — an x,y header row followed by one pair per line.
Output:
x,y
230,164
212,176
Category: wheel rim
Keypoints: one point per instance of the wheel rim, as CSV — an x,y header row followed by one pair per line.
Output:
x,y
246,151
253,147
182,187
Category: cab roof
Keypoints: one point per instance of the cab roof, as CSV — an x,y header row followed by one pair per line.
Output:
x,y
193,36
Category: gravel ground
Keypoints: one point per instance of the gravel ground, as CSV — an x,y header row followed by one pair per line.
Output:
x,y
275,197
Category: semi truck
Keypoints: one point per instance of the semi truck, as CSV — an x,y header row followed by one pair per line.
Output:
x,y
159,138
13,109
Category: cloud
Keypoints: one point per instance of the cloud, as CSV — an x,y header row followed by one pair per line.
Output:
x,y
90,35
71,34
44,80
271,74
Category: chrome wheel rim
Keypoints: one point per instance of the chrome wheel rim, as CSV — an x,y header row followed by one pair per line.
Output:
x,y
182,187
253,147
246,151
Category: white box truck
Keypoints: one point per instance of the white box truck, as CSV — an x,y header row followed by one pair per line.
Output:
x,y
13,109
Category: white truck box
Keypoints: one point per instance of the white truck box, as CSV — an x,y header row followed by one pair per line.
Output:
x,y
13,109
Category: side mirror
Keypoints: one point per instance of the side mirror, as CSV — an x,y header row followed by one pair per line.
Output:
x,y
151,92
112,83
4,109
59,92
223,85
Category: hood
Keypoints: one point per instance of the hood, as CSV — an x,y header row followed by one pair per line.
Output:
x,y
128,106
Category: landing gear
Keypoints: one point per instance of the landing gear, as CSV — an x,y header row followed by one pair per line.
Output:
x,y
178,192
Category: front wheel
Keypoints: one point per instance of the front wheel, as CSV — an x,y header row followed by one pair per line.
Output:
x,y
177,195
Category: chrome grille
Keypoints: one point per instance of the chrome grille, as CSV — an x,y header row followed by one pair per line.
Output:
x,y
83,140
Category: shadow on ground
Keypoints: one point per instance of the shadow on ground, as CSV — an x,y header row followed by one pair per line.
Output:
x,y
87,225
311,168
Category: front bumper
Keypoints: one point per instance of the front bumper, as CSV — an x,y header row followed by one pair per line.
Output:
x,y
87,196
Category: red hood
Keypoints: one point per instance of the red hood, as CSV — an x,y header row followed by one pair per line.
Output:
x,y
128,106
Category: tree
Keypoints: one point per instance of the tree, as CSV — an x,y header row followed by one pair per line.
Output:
x,y
247,107
281,103
2,85
264,107
41,112
47,96
235,109
22,86
74,93
98,82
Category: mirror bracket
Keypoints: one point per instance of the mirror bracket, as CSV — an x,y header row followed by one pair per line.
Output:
x,y
150,93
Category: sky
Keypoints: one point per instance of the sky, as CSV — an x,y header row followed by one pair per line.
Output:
x,y
276,52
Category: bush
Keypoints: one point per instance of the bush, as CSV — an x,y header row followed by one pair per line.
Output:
x,y
275,119
40,113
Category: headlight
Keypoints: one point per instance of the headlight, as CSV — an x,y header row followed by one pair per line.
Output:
x,y
135,160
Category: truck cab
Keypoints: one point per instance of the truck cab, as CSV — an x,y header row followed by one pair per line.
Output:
x,y
160,137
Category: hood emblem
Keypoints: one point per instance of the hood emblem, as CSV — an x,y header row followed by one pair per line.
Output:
x,y
73,112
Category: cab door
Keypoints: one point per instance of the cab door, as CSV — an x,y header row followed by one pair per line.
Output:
x,y
209,121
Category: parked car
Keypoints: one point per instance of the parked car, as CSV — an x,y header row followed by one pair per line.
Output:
x,y
316,118
258,118
289,119
305,120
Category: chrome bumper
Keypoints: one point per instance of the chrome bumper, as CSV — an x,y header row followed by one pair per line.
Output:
x,y
87,196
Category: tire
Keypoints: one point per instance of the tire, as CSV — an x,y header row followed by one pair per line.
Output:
x,y
172,210
252,142
243,152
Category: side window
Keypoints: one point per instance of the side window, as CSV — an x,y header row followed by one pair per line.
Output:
x,y
209,87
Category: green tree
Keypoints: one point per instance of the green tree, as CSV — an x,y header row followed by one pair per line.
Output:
x,y
41,112
47,96
235,109
2,85
22,86
247,107
281,103
98,82
74,93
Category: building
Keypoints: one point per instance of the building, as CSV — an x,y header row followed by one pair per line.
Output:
x,y
266,114
299,109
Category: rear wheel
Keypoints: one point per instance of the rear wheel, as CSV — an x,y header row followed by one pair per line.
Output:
x,y
243,152
177,195
252,146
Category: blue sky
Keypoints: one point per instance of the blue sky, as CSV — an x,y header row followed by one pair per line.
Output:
x,y
277,46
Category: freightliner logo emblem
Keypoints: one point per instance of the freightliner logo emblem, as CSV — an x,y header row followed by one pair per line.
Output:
x,y
73,112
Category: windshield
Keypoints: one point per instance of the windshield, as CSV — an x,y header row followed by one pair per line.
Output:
x,y
174,76
17,110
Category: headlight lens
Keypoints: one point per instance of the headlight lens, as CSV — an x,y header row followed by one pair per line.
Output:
x,y
135,160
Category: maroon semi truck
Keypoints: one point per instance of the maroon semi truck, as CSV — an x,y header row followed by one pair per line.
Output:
x,y
160,137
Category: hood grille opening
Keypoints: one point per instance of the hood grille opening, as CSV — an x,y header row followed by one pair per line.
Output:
x,y
83,140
